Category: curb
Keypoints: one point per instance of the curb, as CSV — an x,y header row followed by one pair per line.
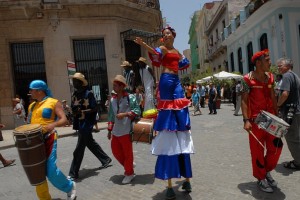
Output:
x,y
8,146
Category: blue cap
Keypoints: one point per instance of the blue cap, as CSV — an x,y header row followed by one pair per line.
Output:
x,y
40,85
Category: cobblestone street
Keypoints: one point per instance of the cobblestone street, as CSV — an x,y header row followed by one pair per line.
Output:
x,y
221,168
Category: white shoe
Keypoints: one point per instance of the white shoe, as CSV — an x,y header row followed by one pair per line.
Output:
x,y
264,186
270,180
128,179
72,194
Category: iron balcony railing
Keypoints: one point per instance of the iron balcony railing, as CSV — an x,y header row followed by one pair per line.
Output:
x,y
149,3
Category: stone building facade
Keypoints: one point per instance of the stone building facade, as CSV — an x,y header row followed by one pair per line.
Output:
x,y
206,14
37,38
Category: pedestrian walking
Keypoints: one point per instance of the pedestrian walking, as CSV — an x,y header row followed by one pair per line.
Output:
x,y
49,113
196,101
139,98
148,80
18,112
257,95
188,91
129,75
238,98
212,99
123,108
4,161
68,112
277,85
201,91
1,136
84,108
233,93
97,130
289,106
173,121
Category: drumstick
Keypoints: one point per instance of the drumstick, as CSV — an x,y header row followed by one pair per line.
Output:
x,y
256,139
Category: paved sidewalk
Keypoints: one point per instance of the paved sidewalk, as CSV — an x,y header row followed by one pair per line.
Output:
x,y
8,139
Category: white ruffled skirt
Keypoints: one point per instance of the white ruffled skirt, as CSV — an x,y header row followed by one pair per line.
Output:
x,y
173,151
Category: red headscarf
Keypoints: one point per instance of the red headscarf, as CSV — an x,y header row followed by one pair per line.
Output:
x,y
259,54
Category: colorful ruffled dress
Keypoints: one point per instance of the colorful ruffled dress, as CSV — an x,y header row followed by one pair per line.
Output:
x,y
173,143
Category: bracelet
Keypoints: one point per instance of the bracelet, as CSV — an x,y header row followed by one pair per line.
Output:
x,y
245,119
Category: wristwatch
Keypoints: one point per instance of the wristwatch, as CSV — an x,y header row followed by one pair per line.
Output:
x,y
245,119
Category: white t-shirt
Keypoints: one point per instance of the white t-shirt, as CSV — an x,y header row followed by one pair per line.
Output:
x,y
19,106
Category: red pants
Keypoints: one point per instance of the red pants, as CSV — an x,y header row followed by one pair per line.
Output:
x,y
261,162
122,150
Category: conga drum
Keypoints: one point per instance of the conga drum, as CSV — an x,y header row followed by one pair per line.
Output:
x,y
30,144
143,131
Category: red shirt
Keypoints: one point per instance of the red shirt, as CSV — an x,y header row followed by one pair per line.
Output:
x,y
259,94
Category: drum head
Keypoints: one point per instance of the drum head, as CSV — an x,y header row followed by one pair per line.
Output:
x,y
279,120
28,128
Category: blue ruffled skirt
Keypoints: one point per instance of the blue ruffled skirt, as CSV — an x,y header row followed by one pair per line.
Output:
x,y
173,144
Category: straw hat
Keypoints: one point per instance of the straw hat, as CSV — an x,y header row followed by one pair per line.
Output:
x,y
142,59
121,79
80,76
16,100
125,64
63,101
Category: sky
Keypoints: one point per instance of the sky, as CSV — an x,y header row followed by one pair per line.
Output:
x,y
178,14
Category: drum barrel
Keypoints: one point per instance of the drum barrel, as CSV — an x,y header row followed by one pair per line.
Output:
x,y
32,153
143,131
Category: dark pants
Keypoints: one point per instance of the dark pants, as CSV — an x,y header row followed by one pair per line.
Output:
x,y
202,102
234,101
85,139
212,106
1,137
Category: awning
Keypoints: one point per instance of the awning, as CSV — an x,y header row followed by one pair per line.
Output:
x,y
149,37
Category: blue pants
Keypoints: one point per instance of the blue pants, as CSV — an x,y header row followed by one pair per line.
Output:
x,y
54,175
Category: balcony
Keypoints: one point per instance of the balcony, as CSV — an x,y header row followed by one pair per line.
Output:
x,y
154,4
255,4
148,3
242,17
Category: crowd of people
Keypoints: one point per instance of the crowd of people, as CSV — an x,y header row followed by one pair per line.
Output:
x,y
136,95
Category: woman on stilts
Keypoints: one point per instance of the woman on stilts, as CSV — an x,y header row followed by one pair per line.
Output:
x,y
173,143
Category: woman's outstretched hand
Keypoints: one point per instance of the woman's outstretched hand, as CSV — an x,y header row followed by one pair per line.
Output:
x,y
138,40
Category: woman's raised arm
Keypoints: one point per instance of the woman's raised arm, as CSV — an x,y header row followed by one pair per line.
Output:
x,y
140,41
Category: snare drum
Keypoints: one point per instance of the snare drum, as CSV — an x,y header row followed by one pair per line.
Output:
x,y
143,131
272,124
30,144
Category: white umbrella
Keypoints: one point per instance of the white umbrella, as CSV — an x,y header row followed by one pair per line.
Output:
x,y
206,79
226,75
199,81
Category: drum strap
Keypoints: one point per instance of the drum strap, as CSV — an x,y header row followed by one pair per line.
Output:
x,y
30,113
48,134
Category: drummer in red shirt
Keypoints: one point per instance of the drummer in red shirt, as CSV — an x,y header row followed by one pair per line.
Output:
x,y
257,95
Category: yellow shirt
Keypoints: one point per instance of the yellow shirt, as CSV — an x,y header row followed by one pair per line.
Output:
x,y
43,112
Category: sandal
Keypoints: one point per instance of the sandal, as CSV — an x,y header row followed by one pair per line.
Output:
x,y
291,165
9,163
